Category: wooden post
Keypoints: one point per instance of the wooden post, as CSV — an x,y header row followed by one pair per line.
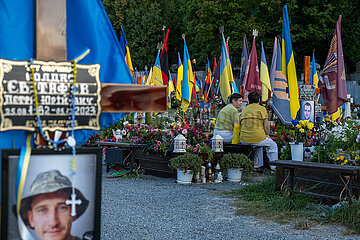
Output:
x,y
307,69
51,30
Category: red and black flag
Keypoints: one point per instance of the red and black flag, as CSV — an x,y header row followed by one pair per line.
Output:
x,y
216,76
164,63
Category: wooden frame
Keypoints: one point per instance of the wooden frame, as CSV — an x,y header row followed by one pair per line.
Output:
x,y
87,180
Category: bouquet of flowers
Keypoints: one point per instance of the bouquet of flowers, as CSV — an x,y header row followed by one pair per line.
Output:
x,y
201,149
303,131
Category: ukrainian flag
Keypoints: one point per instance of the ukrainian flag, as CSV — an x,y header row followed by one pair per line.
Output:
x,y
124,45
171,89
188,79
288,65
156,77
226,75
179,78
314,79
264,76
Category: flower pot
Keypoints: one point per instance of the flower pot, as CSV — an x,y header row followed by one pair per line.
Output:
x,y
234,174
297,151
184,178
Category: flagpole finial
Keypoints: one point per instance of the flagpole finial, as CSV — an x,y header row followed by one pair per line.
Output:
x,y
183,36
228,38
221,29
255,33
160,46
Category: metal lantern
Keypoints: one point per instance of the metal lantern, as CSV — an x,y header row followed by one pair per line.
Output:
x,y
180,144
217,143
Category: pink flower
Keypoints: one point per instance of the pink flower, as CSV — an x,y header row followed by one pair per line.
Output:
x,y
195,149
158,143
156,148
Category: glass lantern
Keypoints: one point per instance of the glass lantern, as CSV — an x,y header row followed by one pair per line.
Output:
x,y
217,143
179,144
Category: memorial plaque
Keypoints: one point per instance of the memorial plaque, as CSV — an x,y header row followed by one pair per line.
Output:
x,y
53,82
307,92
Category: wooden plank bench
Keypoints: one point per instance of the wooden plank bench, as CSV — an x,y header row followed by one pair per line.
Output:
x,y
347,174
248,150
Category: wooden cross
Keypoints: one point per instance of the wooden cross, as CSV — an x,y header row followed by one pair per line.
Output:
x,y
51,45
73,202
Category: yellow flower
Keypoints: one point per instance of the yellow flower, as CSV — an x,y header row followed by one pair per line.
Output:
x,y
310,125
346,161
341,158
298,126
342,163
357,157
337,159
302,130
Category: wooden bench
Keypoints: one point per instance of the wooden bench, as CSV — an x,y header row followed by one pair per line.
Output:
x,y
248,150
326,173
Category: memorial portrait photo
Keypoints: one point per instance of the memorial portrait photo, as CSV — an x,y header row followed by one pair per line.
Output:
x,y
307,110
205,111
56,202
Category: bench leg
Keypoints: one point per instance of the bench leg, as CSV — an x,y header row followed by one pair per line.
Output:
x,y
279,178
291,181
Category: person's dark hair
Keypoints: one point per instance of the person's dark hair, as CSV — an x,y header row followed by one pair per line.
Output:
x,y
235,96
254,97
307,104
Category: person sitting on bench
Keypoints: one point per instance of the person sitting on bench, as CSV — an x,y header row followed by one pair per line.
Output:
x,y
255,129
227,121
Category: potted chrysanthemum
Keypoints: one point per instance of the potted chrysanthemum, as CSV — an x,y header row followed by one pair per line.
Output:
x,y
187,165
234,164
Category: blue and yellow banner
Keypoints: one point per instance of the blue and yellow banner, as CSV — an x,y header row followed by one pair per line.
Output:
x,y
188,79
226,75
288,66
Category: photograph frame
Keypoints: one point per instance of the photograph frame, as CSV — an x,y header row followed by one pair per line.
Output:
x,y
8,157
306,116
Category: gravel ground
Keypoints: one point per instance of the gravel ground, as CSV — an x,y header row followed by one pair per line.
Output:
x,y
158,208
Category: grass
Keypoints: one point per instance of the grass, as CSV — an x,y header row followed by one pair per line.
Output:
x,y
261,200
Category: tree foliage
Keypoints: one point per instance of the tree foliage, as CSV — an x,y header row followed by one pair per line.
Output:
x,y
312,25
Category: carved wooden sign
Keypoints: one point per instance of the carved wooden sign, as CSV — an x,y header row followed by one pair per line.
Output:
x,y
53,82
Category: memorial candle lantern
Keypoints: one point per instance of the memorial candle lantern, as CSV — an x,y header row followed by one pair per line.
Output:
x,y
179,144
217,143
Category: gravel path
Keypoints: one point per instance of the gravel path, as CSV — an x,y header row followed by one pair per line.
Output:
x,y
158,208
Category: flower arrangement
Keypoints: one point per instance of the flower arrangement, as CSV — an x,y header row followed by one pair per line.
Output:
x,y
342,160
303,131
201,149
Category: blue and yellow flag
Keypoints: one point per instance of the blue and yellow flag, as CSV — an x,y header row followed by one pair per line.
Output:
x,y
188,79
288,66
125,47
314,79
226,75
281,102
156,78
179,78
171,89
264,76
